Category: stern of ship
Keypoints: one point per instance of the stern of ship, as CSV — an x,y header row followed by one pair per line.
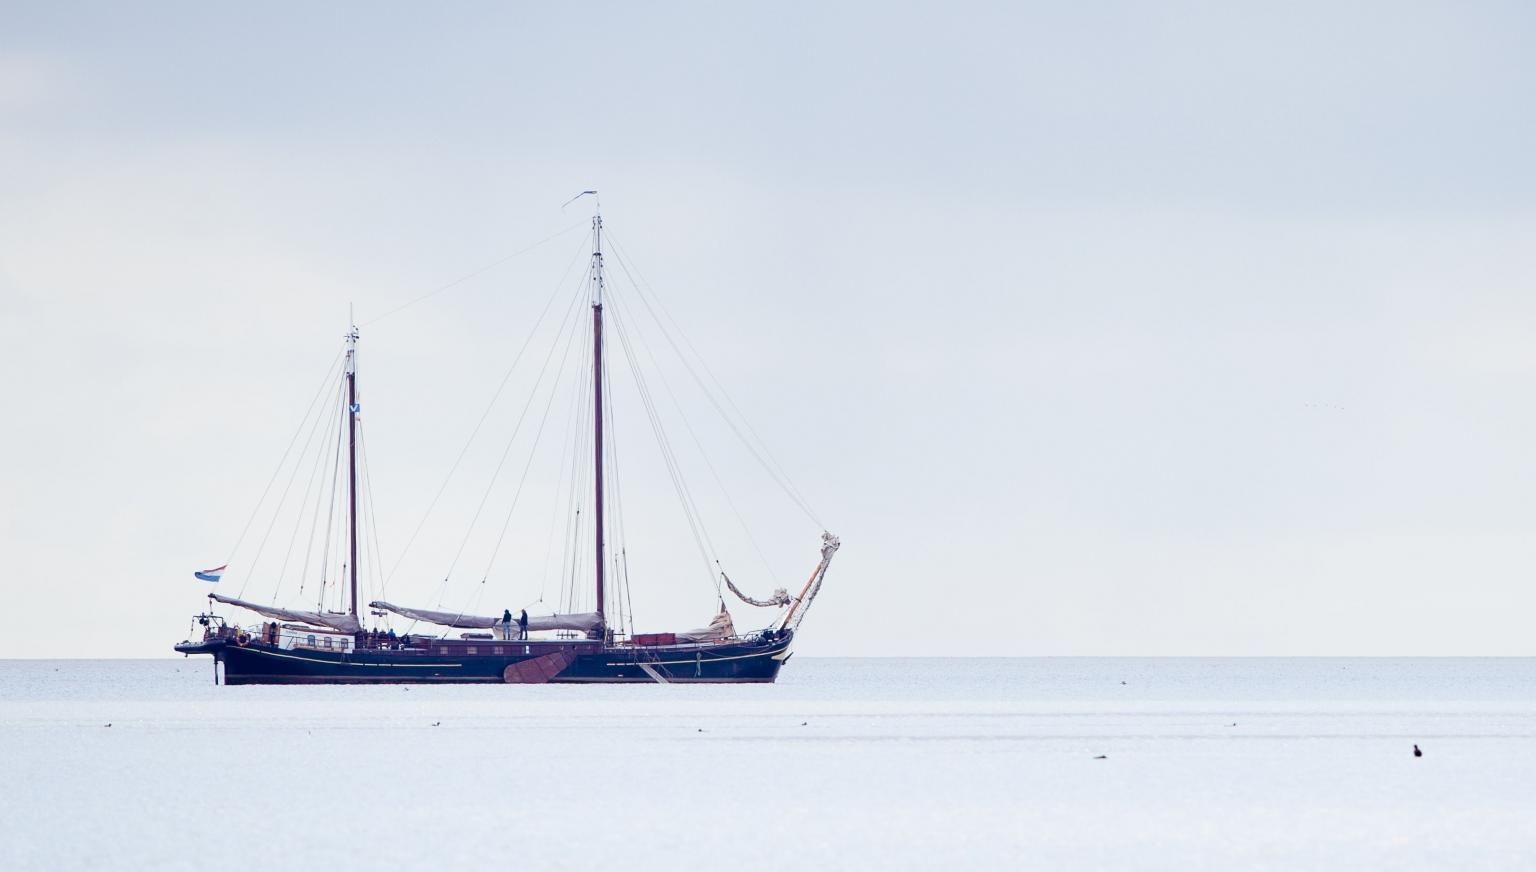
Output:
x,y
216,636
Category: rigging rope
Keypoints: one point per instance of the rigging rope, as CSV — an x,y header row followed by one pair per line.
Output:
x,y
571,557
517,428
774,469
481,271
298,523
704,455
555,513
624,555
309,410
532,452
330,519
314,523
538,322
669,458
621,535
372,524
281,501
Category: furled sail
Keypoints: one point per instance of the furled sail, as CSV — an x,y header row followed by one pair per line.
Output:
x,y
719,628
338,621
796,613
780,596
582,621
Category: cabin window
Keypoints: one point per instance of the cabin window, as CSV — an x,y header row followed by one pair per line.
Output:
x,y
498,650
311,640
328,641
471,649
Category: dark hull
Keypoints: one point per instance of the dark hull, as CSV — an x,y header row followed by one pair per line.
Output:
x,y
580,662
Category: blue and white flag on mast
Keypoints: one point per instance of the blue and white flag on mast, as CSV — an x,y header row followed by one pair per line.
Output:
x,y
211,574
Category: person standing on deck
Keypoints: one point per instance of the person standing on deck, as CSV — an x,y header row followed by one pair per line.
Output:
x,y
522,625
506,623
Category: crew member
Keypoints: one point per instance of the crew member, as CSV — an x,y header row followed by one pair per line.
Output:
x,y
522,625
506,623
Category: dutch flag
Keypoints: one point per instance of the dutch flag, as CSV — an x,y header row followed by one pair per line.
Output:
x,y
211,574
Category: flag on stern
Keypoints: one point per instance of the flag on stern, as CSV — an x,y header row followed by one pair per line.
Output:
x,y
211,574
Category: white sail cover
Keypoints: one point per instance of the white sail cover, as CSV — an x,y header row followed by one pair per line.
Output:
x,y
338,621
720,628
582,621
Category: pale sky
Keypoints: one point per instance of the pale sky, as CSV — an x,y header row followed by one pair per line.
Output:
x,y
1122,329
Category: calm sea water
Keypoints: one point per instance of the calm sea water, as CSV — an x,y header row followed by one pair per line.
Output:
x,y
845,764
904,680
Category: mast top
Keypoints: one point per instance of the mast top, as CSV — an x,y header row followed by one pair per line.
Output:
x,y
597,243
597,259
351,343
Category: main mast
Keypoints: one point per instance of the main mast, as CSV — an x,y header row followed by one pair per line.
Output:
x,y
597,403
352,457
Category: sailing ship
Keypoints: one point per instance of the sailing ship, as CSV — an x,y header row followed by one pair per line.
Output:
x,y
333,646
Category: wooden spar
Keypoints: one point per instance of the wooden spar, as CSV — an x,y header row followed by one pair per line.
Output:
x,y
597,405
352,456
829,546
800,600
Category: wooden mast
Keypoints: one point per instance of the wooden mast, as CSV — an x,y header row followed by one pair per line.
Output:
x,y
352,457
597,404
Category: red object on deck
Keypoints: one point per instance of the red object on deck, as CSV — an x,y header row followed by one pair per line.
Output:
x,y
655,638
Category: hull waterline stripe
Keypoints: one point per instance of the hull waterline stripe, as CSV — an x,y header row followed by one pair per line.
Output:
x,y
706,660
279,678
353,662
